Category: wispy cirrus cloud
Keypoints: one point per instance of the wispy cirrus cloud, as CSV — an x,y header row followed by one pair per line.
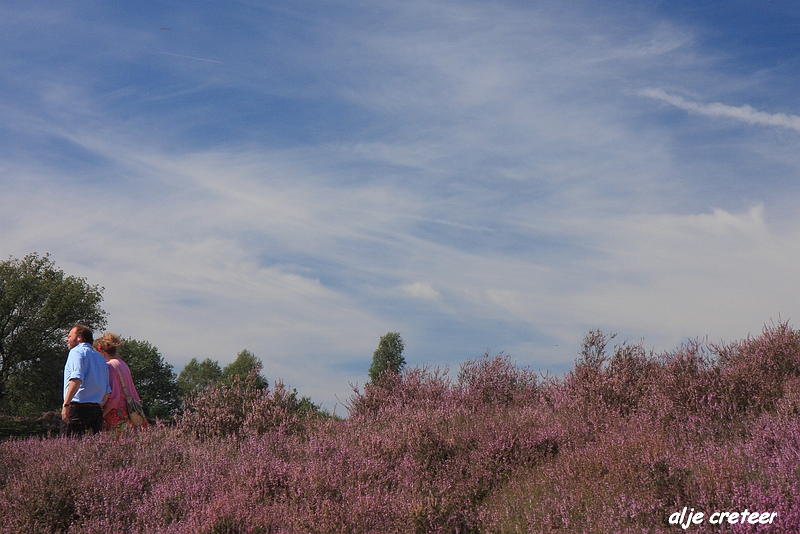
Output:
x,y
746,114
473,175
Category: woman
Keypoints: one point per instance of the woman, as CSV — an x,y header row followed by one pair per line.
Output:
x,y
115,410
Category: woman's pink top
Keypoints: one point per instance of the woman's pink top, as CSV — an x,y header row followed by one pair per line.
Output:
x,y
117,397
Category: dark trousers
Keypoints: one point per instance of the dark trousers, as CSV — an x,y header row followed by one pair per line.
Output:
x,y
83,418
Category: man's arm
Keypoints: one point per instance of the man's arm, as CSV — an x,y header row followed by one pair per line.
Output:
x,y
72,389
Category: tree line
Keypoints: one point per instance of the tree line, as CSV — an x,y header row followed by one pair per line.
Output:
x,y
39,304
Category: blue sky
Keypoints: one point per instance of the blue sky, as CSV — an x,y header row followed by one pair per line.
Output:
x,y
299,178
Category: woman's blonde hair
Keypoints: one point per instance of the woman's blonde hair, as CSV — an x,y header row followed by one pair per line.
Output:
x,y
109,343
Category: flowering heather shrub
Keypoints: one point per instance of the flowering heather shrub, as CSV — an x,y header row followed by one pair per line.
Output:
x,y
618,445
217,411
393,391
621,384
756,368
621,481
631,376
699,437
496,381
240,409
689,397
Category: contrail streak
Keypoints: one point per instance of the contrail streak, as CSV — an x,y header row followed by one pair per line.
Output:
x,y
746,114
191,57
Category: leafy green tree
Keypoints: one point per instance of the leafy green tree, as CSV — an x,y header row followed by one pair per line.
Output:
x,y
38,306
245,364
196,376
154,378
388,356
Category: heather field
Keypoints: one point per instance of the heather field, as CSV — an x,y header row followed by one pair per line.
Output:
x,y
621,444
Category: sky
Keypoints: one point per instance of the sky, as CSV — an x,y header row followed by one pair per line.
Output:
x,y
299,178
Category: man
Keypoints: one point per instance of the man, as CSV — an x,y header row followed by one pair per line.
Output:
x,y
86,385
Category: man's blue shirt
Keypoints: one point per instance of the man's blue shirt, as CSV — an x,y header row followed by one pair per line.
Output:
x,y
90,367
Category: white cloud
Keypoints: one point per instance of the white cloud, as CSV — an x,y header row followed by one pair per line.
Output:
x,y
421,290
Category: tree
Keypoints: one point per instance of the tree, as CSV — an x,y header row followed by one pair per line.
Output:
x,y
388,356
38,306
244,364
198,376
154,378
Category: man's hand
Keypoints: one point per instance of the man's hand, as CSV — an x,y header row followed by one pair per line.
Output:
x,y
72,389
